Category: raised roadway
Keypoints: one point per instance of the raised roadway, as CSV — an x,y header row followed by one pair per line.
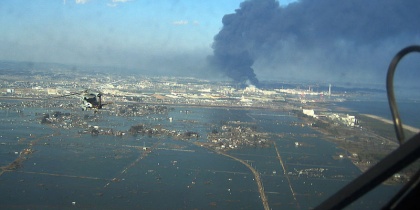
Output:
x,y
257,179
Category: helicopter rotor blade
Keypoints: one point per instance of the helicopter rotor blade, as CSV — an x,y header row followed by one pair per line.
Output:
x,y
71,94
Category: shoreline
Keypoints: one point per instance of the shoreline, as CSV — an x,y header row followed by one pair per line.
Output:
x,y
407,127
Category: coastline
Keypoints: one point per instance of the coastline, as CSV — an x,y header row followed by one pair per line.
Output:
x,y
407,127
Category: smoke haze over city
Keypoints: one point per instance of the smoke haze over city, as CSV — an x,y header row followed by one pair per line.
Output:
x,y
322,40
244,41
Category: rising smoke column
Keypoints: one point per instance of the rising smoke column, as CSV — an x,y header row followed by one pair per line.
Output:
x,y
234,46
314,37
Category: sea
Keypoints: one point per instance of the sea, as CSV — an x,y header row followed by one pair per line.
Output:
x,y
67,169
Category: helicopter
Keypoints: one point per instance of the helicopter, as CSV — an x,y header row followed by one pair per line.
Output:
x,y
91,100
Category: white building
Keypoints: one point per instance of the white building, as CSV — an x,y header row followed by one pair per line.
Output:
x,y
309,112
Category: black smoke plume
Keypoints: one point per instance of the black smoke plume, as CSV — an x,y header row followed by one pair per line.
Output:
x,y
314,38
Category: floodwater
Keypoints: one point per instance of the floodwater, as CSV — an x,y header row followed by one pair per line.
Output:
x,y
68,170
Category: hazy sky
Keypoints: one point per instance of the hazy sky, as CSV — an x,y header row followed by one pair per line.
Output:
x,y
309,39
128,33
109,32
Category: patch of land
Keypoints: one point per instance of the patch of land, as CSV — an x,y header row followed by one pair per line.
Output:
x,y
407,127
367,144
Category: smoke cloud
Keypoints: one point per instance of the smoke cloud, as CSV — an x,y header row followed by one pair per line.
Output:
x,y
314,39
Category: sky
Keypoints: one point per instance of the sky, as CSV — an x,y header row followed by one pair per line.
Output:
x,y
114,32
287,40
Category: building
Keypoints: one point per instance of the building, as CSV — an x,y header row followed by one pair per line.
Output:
x,y
309,112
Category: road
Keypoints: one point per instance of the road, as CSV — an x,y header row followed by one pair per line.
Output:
x,y
257,179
